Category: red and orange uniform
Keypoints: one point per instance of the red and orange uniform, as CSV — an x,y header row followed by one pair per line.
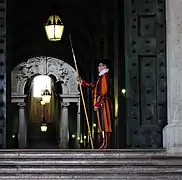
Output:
x,y
102,100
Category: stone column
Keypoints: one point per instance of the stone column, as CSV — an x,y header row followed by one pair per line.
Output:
x,y
64,128
172,133
22,130
78,124
78,119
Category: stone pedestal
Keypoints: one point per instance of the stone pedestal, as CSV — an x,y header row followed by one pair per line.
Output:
x,y
172,133
22,130
172,138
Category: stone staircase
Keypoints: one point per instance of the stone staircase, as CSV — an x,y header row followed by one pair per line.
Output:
x,y
89,164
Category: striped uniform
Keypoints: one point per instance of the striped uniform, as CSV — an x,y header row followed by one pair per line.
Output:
x,y
102,100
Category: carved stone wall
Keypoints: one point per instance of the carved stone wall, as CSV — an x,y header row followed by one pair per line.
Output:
x,y
43,66
3,74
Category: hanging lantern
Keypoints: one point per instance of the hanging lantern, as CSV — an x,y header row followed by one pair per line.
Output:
x,y
46,96
54,28
43,127
42,102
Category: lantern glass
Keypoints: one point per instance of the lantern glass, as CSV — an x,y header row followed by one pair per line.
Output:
x,y
54,32
46,96
43,127
42,102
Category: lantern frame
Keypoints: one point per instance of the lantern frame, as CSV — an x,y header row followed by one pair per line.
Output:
x,y
54,28
46,96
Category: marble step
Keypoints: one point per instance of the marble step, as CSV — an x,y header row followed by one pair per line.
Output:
x,y
149,162
91,177
84,150
121,170
83,154
89,164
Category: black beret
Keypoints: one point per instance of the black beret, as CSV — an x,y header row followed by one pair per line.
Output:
x,y
104,61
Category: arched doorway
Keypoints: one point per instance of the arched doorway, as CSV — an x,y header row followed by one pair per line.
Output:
x,y
25,92
42,117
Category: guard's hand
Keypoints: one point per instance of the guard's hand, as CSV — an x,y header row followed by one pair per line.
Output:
x,y
78,78
96,108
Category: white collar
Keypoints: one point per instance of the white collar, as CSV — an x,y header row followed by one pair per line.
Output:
x,y
103,72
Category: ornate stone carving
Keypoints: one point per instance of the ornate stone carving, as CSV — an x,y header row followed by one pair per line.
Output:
x,y
62,71
21,104
65,104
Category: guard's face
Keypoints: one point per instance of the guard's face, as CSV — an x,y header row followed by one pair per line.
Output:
x,y
101,66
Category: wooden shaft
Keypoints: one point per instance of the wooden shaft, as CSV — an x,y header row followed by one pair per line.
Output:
x,y
82,97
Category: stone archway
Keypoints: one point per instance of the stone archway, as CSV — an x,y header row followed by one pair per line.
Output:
x,y
59,69
64,73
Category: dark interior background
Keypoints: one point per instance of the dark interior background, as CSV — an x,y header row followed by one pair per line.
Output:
x,y
97,31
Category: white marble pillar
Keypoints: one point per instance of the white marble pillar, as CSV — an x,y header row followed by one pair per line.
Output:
x,y
172,133
64,126
22,130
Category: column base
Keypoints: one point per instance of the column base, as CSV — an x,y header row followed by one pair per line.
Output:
x,y
172,138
